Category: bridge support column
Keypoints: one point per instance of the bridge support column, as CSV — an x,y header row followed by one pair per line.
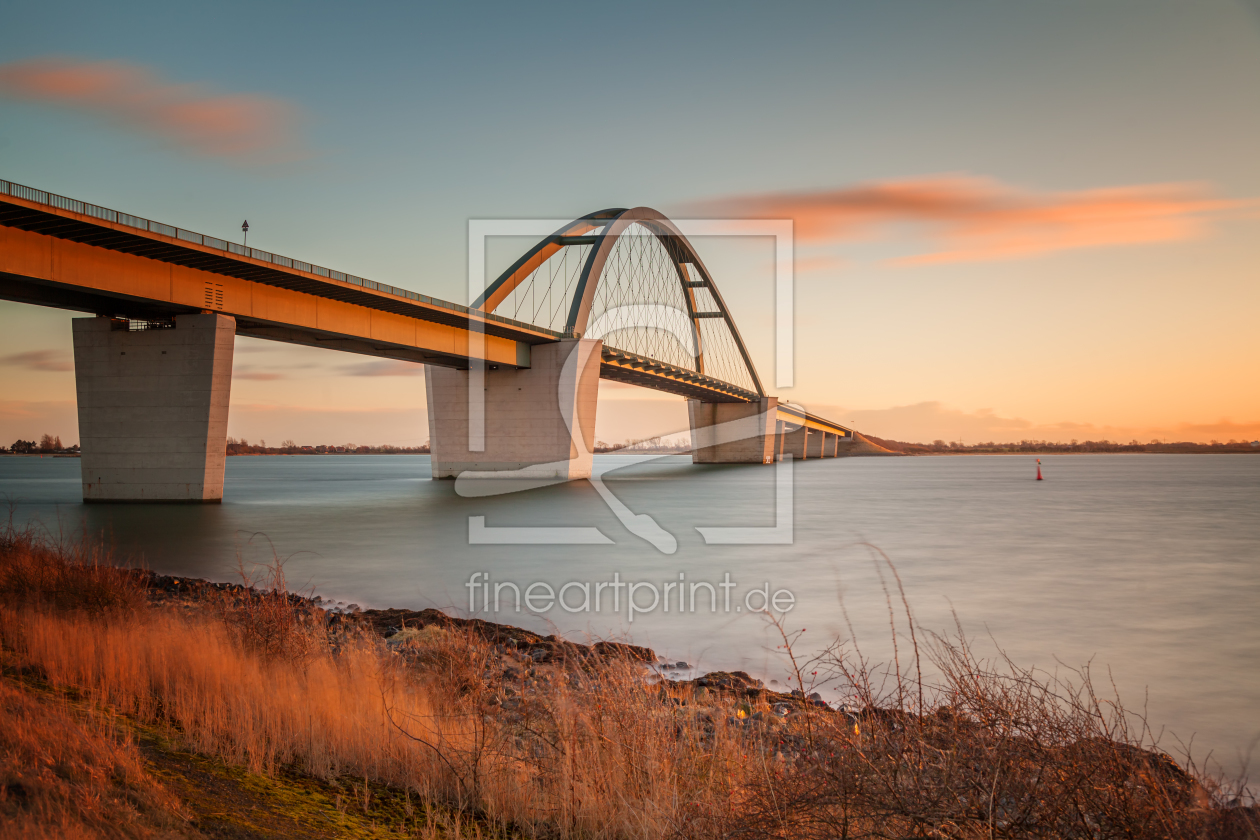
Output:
x,y
814,443
539,421
153,408
794,443
733,433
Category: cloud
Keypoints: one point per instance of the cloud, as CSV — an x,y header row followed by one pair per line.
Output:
x,y
821,262
383,367
46,360
313,424
258,376
28,420
969,219
927,421
240,127
246,344
1221,430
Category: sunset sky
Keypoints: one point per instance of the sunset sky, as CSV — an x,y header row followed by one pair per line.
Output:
x,y
1013,219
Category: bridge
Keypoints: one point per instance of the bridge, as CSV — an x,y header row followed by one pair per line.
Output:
x,y
620,294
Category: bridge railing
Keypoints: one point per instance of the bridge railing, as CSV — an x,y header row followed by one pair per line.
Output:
x,y
120,218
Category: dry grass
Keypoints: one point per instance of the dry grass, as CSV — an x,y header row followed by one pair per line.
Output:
x,y
64,576
564,753
571,749
587,757
63,777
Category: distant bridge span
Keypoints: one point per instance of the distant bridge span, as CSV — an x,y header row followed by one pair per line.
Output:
x,y
626,276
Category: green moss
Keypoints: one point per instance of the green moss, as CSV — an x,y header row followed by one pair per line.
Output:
x,y
231,802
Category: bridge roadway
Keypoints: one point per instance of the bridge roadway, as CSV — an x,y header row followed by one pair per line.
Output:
x,y
69,254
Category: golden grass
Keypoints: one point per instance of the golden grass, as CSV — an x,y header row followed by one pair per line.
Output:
x,y
61,776
593,757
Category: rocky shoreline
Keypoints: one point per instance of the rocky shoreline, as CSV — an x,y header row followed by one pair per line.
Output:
x,y
270,700
521,649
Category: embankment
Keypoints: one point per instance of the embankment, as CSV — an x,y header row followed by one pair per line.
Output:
x,y
171,707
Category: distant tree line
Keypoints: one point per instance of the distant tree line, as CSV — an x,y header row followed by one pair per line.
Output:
x,y
940,447
47,445
240,446
652,444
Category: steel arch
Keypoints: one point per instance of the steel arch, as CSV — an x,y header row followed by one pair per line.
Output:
x,y
611,224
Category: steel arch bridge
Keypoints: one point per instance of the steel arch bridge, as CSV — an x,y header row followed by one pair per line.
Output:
x,y
177,299
630,277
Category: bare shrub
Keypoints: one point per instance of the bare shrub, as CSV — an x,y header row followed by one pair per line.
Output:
x,y
1004,753
989,749
267,617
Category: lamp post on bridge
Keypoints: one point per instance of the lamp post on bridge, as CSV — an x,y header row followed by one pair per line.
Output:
x,y
245,230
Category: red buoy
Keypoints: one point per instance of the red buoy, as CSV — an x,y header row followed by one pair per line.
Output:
x,y
1039,478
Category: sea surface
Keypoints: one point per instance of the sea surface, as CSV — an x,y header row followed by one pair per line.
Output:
x,y
1147,567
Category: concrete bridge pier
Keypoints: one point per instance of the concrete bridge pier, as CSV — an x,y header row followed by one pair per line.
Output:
x,y
734,433
539,421
153,407
794,442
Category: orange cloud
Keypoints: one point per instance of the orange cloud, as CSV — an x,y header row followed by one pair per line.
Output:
x,y
927,421
822,262
243,127
974,219
383,367
27,420
45,360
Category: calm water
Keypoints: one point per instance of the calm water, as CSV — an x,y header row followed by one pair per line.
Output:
x,y
1148,565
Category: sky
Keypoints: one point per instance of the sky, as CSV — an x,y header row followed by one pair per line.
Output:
x,y
1013,220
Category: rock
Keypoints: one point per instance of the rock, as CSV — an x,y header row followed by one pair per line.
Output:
x,y
620,650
